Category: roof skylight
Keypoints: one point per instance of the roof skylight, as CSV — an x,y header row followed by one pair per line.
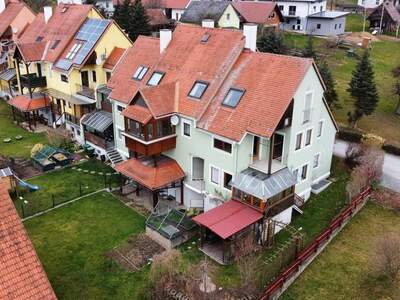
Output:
x,y
233,97
140,72
155,78
198,89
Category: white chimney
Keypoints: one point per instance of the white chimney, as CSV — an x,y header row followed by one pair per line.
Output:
x,y
2,5
165,38
48,12
250,33
77,2
207,23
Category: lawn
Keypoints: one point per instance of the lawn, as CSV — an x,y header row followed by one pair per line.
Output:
x,y
343,270
65,184
8,129
385,55
72,242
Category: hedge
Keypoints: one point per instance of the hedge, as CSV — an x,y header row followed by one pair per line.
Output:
x,y
350,134
392,148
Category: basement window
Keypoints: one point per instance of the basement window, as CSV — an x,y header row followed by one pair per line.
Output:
x,y
233,97
140,72
198,89
155,78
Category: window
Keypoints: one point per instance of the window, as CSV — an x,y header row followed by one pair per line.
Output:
x,y
321,8
228,16
214,175
308,137
335,26
298,141
39,38
298,22
377,2
227,181
186,129
78,132
55,44
315,8
177,16
296,174
198,89
292,10
318,26
155,78
140,72
280,7
120,108
108,76
74,50
340,25
316,161
224,146
233,97
307,108
64,78
319,128
304,172
94,77
69,105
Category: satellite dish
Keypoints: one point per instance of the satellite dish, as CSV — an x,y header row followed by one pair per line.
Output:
x,y
174,120
98,61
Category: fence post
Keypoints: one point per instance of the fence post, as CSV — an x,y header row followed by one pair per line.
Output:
x,y
80,189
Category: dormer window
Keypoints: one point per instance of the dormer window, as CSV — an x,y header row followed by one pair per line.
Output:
x,y
198,89
140,72
155,78
233,97
55,44
74,50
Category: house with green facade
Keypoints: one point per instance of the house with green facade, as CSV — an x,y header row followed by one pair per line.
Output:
x,y
205,120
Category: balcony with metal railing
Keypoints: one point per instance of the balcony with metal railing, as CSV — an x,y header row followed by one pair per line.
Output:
x,y
33,81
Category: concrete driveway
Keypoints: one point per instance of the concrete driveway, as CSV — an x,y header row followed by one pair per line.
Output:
x,y
391,166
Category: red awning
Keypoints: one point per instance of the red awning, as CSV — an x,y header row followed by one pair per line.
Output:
x,y
25,104
145,173
228,218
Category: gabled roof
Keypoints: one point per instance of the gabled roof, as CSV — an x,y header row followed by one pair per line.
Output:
x,y
62,26
197,11
172,4
390,9
113,58
13,8
256,11
21,273
138,113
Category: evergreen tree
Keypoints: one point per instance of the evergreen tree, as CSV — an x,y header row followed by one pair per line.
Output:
x,y
272,42
330,92
122,15
139,23
309,49
363,90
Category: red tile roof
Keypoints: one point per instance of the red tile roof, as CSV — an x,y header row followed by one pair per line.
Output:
x,y
228,218
162,99
144,172
31,52
138,113
62,26
255,11
13,8
157,16
113,58
25,103
21,273
177,4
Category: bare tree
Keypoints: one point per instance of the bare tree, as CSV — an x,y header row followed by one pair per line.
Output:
x,y
353,153
386,261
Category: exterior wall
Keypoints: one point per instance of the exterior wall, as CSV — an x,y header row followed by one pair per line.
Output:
x,y
327,26
294,24
119,126
322,145
176,14
284,217
369,3
303,9
229,18
273,19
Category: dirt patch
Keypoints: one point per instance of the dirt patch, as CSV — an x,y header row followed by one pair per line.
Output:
x,y
135,253
356,38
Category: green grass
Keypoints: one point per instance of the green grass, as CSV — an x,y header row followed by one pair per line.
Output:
x,y
8,129
343,270
64,185
72,242
354,23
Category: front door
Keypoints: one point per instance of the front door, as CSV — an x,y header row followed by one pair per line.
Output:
x,y
85,78
278,147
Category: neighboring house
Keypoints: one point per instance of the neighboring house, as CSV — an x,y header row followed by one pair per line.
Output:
x,y
387,20
369,3
204,118
63,56
221,13
265,14
15,16
21,272
297,17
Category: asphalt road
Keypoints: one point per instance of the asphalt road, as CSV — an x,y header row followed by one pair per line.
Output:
x,y
391,166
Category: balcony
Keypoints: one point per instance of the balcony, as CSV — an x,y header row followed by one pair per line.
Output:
x,y
85,91
98,140
262,165
33,81
147,148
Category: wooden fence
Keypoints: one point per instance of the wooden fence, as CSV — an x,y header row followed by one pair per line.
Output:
x,y
275,288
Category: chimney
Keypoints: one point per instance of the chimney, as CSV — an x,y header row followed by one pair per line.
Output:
x,y
250,33
165,38
48,12
207,23
2,5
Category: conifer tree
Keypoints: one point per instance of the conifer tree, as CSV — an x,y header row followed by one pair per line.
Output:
x,y
309,49
139,23
363,90
330,94
272,42
122,15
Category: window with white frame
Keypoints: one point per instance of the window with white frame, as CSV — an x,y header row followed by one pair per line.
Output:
x,y
307,108
304,170
319,128
308,137
299,137
316,160
214,176
296,174
186,129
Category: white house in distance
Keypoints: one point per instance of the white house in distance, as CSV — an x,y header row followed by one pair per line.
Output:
x,y
369,3
297,17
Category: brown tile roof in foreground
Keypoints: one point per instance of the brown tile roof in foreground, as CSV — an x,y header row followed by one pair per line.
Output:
x,y
255,11
25,103
144,172
21,273
113,58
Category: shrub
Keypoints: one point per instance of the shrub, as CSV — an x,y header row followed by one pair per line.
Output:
x,y
386,261
371,139
349,134
392,148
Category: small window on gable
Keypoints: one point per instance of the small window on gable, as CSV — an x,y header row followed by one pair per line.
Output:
x,y
233,97
155,78
64,78
198,89
140,72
